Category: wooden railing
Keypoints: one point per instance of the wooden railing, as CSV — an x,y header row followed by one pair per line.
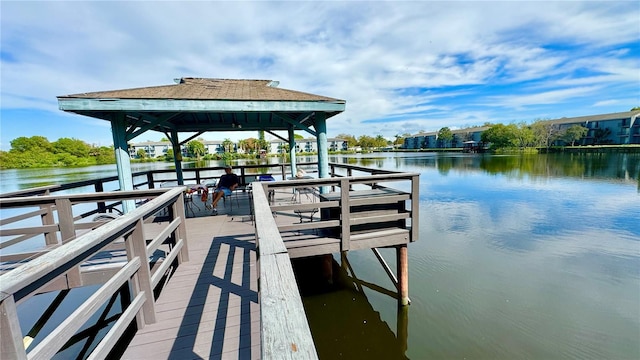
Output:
x,y
285,331
279,297
343,198
63,263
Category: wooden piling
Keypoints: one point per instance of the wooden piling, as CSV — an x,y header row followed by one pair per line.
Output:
x,y
403,274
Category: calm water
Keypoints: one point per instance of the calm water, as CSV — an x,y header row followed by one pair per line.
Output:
x,y
518,258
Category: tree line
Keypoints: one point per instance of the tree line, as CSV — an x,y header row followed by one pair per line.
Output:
x,y
540,134
39,152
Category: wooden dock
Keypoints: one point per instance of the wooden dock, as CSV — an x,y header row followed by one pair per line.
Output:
x,y
209,308
224,287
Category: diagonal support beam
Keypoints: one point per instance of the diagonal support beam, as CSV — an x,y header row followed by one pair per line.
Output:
x,y
297,123
150,125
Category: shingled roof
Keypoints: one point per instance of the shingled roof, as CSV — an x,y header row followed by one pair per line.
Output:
x,y
200,105
210,89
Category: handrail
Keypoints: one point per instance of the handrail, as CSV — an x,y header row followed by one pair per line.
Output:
x,y
342,203
285,332
59,203
19,283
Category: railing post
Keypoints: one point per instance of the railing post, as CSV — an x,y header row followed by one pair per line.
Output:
x,y
136,246
50,238
345,216
68,233
197,176
11,344
415,207
99,187
150,182
181,230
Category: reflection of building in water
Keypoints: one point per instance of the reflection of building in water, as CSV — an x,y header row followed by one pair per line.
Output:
x,y
616,129
343,322
596,166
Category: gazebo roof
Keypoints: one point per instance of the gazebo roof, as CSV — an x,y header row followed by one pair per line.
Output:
x,y
200,104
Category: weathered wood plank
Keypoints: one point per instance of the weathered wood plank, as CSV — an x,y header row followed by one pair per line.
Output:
x,y
380,233
27,215
322,224
285,331
306,251
111,338
269,230
57,338
11,346
378,218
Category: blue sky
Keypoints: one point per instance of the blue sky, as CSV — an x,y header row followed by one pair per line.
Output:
x,y
402,67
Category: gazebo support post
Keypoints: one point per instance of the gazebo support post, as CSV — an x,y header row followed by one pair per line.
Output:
x,y
323,152
123,161
177,156
292,151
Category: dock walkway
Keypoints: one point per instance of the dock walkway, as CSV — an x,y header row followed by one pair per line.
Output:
x,y
209,308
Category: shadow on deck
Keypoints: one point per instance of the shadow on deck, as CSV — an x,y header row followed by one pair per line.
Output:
x,y
210,308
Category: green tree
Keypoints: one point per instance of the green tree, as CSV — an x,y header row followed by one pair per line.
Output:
x,y
445,136
399,139
74,147
350,139
545,133
169,155
249,145
34,143
103,155
574,133
366,141
500,136
380,142
141,154
242,145
263,144
523,136
227,145
196,147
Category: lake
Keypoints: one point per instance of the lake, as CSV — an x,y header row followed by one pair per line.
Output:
x,y
533,257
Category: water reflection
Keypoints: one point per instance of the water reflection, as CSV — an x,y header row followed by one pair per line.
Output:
x,y
522,257
617,166
343,322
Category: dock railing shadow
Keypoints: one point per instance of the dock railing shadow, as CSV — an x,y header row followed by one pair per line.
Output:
x,y
214,299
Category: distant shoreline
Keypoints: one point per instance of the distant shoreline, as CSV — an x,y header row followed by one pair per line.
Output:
x,y
632,148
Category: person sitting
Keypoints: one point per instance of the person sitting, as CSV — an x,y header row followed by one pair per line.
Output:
x,y
227,183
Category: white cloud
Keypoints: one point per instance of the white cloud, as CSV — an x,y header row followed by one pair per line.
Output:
x,y
413,62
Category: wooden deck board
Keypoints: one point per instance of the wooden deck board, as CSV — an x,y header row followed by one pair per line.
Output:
x,y
209,308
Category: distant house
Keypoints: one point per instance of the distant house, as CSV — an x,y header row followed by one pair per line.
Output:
x,y
307,145
615,128
213,147
159,148
151,148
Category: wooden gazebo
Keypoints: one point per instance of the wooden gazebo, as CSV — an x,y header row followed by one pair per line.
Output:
x,y
198,105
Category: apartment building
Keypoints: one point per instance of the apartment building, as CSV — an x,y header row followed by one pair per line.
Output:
x,y
615,128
